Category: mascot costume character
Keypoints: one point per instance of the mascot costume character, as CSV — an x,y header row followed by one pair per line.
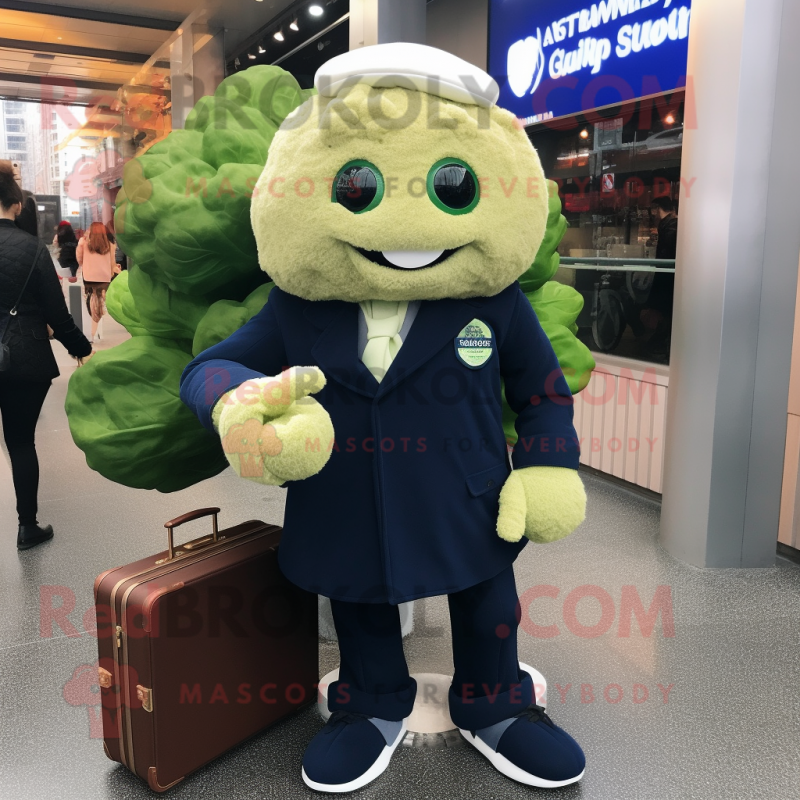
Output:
x,y
410,233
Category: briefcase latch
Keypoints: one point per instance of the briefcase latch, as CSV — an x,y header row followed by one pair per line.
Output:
x,y
145,697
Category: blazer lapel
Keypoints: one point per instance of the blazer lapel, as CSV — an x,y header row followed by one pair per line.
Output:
x,y
437,324
336,349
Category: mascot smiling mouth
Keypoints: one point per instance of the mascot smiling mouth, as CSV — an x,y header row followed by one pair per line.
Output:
x,y
406,259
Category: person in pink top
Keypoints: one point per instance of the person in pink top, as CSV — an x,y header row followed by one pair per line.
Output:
x,y
96,255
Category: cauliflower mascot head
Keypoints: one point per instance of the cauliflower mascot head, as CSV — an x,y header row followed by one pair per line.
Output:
x,y
409,195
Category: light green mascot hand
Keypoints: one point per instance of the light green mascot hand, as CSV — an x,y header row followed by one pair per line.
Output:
x,y
272,431
543,503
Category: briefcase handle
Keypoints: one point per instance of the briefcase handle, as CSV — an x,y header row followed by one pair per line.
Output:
x,y
188,517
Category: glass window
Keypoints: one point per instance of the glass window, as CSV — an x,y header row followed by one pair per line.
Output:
x,y
16,142
15,126
618,173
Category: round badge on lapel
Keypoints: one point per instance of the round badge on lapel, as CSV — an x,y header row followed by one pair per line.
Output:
x,y
475,344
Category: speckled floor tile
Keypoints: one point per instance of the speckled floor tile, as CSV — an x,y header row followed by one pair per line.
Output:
x,y
702,702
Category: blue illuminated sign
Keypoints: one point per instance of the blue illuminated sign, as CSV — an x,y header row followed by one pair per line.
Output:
x,y
555,58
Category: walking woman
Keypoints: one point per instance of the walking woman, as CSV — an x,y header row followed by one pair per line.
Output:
x,y
96,254
30,300
67,243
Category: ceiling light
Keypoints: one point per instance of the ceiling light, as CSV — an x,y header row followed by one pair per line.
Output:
x,y
294,26
252,56
316,11
278,35
670,119
584,134
261,49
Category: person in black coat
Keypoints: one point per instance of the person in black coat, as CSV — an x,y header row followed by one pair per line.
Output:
x,y
67,243
667,244
28,219
661,295
26,381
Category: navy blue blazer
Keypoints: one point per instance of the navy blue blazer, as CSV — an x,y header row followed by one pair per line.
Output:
x,y
407,505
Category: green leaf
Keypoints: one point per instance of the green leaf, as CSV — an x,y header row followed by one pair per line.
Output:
x,y
121,306
557,307
164,312
125,414
574,357
225,317
557,303
547,259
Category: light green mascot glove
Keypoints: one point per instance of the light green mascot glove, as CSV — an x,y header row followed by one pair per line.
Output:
x,y
543,503
272,431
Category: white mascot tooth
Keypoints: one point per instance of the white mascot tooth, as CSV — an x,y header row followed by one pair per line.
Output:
x,y
411,259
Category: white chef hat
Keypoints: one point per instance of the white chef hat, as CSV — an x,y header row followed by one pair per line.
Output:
x,y
407,65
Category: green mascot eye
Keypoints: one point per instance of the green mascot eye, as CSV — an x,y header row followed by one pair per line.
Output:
x,y
452,186
358,186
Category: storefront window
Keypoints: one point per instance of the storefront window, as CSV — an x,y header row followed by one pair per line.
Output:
x,y
619,180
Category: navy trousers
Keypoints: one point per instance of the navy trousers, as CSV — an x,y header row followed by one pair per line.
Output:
x,y
488,685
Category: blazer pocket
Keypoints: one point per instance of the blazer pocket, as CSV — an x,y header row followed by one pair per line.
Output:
x,y
488,479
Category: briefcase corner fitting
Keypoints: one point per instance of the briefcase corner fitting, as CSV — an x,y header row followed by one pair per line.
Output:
x,y
152,781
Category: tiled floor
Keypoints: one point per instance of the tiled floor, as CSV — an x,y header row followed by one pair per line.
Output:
x,y
729,728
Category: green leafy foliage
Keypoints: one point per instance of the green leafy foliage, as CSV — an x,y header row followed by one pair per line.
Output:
x,y
120,305
163,311
183,216
125,413
184,210
547,259
226,317
557,306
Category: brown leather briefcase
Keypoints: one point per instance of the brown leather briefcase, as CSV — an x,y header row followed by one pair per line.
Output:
x,y
201,646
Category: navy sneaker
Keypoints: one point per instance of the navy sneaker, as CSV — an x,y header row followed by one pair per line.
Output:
x,y
531,749
350,752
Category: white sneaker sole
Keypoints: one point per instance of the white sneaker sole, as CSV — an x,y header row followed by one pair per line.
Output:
x,y
377,769
503,765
